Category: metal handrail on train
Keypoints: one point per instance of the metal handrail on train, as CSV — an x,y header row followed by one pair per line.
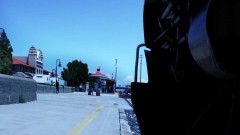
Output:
x,y
136,61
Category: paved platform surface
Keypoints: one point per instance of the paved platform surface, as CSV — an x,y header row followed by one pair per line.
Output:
x,y
66,114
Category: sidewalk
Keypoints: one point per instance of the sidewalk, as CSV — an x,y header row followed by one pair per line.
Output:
x,y
66,114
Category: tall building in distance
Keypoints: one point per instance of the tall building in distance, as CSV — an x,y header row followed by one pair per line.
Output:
x,y
33,60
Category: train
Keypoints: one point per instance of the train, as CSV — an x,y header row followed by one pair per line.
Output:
x,y
192,60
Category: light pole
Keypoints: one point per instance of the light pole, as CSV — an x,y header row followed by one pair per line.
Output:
x,y
116,75
58,64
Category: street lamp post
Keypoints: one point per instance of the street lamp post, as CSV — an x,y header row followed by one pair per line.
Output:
x,y
116,75
58,64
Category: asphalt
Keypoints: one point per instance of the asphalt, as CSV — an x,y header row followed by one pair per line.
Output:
x,y
67,114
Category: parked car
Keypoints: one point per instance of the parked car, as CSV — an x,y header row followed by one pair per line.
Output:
x,y
21,74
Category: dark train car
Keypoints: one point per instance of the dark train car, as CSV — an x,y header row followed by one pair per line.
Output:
x,y
193,68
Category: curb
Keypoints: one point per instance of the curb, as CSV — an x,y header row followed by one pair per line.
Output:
x,y
123,121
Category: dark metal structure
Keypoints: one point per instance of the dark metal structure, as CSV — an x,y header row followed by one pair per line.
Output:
x,y
193,68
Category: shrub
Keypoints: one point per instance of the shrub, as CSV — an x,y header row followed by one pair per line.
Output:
x,y
21,99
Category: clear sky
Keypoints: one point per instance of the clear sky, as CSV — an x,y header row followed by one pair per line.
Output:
x,y
95,32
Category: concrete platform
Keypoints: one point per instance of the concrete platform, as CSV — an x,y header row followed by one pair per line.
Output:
x,y
66,114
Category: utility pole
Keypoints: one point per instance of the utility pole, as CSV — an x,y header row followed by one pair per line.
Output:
x,y
140,67
116,75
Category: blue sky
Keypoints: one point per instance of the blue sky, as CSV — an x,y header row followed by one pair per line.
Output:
x,y
95,32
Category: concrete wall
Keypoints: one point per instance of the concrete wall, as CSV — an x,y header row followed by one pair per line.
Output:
x,y
52,89
17,89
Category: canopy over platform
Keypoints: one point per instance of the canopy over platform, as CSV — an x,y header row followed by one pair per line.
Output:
x,y
99,74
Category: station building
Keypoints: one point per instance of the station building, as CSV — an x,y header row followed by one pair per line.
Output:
x,y
32,63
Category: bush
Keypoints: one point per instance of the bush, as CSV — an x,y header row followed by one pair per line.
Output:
x,y
45,84
21,99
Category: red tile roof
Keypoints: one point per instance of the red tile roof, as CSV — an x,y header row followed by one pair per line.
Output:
x,y
99,74
18,62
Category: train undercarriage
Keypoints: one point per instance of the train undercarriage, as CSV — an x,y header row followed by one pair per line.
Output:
x,y
193,68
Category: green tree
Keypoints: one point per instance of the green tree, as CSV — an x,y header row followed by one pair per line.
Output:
x,y
75,73
5,53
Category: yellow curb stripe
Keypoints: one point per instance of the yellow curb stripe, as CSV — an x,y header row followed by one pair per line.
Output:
x,y
79,128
